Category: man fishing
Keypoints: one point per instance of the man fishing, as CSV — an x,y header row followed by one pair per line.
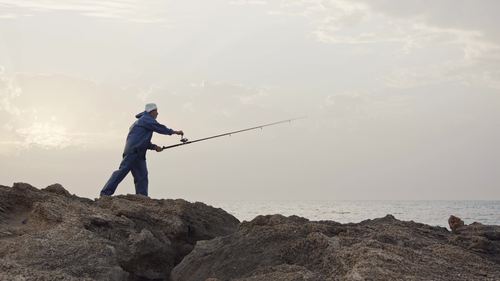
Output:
x,y
134,154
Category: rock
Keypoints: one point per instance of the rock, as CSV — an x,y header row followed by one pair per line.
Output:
x,y
481,239
49,234
271,248
57,189
455,223
283,272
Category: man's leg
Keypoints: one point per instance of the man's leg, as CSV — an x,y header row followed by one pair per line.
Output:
x,y
118,175
140,173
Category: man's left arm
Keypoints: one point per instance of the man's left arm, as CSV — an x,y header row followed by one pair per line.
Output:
x,y
161,129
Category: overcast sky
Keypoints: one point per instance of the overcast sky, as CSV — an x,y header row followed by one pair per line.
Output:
x,y
402,97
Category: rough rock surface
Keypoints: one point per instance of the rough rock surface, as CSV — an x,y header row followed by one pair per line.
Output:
x,y
275,248
50,234
455,223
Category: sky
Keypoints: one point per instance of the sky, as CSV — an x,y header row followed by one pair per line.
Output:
x,y
402,98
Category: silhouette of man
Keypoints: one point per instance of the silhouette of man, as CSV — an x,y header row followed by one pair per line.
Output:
x,y
134,154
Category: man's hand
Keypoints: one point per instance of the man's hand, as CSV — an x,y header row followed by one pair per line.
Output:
x,y
179,133
158,148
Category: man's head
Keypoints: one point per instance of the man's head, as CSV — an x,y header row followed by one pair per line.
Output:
x,y
152,109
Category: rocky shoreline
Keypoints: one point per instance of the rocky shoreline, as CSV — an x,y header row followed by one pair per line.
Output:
x,y
49,234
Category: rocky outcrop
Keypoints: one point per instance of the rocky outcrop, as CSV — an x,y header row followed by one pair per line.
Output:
x,y
273,248
481,239
50,234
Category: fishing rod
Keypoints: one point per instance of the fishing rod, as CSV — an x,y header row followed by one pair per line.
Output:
x,y
185,141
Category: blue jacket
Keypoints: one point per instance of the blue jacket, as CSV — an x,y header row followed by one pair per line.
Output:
x,y
141,132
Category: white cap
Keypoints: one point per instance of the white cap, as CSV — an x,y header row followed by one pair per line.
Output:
x,y
150,107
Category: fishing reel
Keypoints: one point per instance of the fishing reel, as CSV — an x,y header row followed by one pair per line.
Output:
x,y
183,139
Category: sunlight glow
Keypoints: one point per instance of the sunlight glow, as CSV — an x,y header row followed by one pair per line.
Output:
x,y
45,135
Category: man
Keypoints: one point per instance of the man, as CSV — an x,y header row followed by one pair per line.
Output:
x,y
134,154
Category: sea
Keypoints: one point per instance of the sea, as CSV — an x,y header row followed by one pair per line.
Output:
x,y
435,213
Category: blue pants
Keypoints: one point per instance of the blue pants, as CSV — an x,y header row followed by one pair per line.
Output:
x,y
137,165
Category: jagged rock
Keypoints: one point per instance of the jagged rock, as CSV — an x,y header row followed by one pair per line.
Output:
x,y
49,234
481,239
455,223
271,248
58,189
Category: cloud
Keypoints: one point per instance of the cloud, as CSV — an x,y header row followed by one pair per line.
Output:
x,y
254,98
130,10
8,16
53,111
45,135
364,22
248,2
198,85
56,111
188,107
450,14
463,42
9,91
230,94
404,78
145,94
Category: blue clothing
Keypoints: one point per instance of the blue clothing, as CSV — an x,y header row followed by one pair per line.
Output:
x,y
131,162
134,154
141,132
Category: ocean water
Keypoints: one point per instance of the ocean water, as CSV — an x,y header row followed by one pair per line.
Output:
x,y
434,213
